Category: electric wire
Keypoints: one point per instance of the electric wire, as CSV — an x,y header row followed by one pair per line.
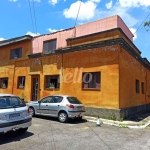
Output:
x,y
78,13
142,23
77,18
34,17
31,15
35,22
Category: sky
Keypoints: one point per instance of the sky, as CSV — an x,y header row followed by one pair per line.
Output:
x,y
37,17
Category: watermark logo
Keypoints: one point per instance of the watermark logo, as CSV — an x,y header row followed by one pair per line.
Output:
x,y
75,76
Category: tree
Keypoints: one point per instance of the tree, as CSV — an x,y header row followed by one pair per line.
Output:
x,y
147,25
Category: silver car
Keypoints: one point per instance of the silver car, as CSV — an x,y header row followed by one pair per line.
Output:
x,y
61,106
14,114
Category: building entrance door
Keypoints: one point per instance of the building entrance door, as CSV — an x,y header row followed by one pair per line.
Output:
x,y
35,88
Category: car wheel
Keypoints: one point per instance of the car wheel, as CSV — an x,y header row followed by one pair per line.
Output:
x,y
22,130
63,117
32,111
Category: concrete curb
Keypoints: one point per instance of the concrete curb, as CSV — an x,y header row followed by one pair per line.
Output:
x,y
117,123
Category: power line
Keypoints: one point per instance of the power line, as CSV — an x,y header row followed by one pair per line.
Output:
x,y
31,15
34,24
34,16
142,23
78,13
77,18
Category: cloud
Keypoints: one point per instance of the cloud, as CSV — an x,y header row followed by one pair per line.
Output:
x,y
90,12
87,10
96,1
32,34
53,2
13,0
53,30
109,5
134,3
133,30
2,39
117,9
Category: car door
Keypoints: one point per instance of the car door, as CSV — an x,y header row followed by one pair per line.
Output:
x,y
44,106
55,105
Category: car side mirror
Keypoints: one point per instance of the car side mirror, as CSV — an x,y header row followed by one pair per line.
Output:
x,y
39,102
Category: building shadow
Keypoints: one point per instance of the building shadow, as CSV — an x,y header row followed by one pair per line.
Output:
x,y
138,117
70,121
13,137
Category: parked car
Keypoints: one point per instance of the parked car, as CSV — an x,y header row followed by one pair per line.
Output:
x,y
61,106
14,114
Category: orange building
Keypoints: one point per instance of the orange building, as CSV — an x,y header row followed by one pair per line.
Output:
x,y
98,63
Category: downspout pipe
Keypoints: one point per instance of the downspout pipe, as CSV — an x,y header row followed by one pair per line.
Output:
x,y
14,70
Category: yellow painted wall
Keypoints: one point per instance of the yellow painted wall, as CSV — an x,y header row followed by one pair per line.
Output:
x,y
130,70
7,66
104,60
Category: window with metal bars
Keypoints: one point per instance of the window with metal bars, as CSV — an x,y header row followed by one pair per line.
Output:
x,y
52,82
91,80
4,83
21,82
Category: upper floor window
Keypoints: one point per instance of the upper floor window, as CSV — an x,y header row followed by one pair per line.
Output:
x,y
49,46
3,83
21,82
91,80
16,53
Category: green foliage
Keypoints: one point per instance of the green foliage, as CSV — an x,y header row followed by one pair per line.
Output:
x,y
4,85
123,126
112,117
147,25
22,95
51,85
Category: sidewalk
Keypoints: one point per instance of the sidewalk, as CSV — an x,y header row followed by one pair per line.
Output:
x,y
134,124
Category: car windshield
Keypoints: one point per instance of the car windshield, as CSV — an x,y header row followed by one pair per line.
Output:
x,y
73,100
11,102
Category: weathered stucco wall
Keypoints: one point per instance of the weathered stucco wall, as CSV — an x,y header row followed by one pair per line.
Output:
x,y
130,70
104,60
7,66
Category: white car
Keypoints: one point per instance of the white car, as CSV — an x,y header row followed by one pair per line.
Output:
x,y
14,114
61,106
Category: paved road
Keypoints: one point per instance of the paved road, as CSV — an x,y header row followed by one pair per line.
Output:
x,y
48,134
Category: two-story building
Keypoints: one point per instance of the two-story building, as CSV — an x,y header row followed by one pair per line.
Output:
x,y
96,62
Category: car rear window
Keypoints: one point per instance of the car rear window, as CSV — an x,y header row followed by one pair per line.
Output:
x,y
11,102
73,100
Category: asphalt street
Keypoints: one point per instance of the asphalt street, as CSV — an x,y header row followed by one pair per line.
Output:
x,y
49,134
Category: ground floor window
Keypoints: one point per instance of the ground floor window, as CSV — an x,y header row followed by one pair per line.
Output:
x,y
21,82
137,87
91,80
3,83
142,88
52,81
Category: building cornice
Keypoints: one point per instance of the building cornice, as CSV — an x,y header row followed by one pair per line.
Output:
x,y
15,40
111,42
